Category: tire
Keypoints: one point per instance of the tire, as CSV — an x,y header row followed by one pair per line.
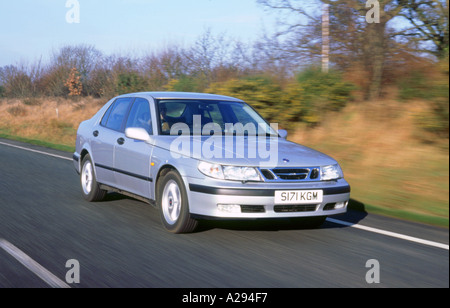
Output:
x,y
173,204
89,187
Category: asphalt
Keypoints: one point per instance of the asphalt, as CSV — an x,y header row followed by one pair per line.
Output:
x,y
120,242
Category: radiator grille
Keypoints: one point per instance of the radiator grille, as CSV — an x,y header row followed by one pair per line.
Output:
x,y
291,174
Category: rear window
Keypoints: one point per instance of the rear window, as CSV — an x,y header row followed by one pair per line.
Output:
x,y
113,118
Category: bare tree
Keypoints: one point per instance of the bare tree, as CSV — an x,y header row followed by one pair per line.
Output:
x,y
209,54
355,38
428,22
21,80
85,58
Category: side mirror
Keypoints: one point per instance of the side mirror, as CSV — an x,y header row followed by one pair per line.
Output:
x,y
137,134
283,133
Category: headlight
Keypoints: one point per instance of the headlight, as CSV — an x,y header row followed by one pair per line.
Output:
x,y
233,173
212,170
241,173
332,172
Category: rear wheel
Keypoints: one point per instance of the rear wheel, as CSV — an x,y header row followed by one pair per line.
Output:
x,y
90,188
173,204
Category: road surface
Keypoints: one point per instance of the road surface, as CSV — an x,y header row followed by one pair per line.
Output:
x,y
44,222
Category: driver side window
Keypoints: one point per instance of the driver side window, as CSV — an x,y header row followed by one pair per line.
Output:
x,y
140,115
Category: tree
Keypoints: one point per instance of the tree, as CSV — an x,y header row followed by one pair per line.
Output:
x,y
207,54
165,65
16,81
85,58
73,83
373,31
297,39
357,39
428,22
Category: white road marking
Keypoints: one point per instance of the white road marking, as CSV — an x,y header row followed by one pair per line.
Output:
x,y
35,151
388,233
32,265
340,222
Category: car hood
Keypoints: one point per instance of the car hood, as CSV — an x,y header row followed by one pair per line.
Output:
x,y
243,151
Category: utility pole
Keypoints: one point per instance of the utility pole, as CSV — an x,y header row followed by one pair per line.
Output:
x,y
326,38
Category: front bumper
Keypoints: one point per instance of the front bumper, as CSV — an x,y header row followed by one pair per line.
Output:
x,y
258,200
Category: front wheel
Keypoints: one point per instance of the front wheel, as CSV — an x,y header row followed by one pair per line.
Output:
x,y
173,204
90,188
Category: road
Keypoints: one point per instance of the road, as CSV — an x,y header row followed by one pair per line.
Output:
x,y
120,242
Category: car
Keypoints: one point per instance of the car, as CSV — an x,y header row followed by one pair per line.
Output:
x,y
198,156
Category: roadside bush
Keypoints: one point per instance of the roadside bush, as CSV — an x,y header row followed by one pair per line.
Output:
x,y
184,84
101,84
53,82
432,86
2,91
260,92
19,85
17,111
414,86
441,101
293,107
303,100
32,101
324,91
130,82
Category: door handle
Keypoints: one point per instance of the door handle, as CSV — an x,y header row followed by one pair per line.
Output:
x,y
120,141
95,133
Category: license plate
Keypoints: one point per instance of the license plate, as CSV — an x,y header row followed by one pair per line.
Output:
x,y
298,196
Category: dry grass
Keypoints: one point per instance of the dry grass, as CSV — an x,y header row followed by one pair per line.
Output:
x,y
384,158
53,120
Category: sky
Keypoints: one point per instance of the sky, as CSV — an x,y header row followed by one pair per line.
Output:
x,y
31,29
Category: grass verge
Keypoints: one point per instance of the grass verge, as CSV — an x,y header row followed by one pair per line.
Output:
x,y
399,214
390,168
61,147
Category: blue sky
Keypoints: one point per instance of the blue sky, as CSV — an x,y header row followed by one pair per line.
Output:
x,y
33,28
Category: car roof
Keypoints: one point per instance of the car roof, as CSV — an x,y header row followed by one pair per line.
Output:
x,y
184,95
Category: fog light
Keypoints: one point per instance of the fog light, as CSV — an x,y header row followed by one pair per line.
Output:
x,y
230,208
340,205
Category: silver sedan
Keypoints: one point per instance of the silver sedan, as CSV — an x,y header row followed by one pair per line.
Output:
x,y
202,156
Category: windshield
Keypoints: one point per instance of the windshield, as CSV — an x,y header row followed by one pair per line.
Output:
x,y
206,117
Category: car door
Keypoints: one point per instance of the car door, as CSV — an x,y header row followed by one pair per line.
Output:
x,y
132,159
105,137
